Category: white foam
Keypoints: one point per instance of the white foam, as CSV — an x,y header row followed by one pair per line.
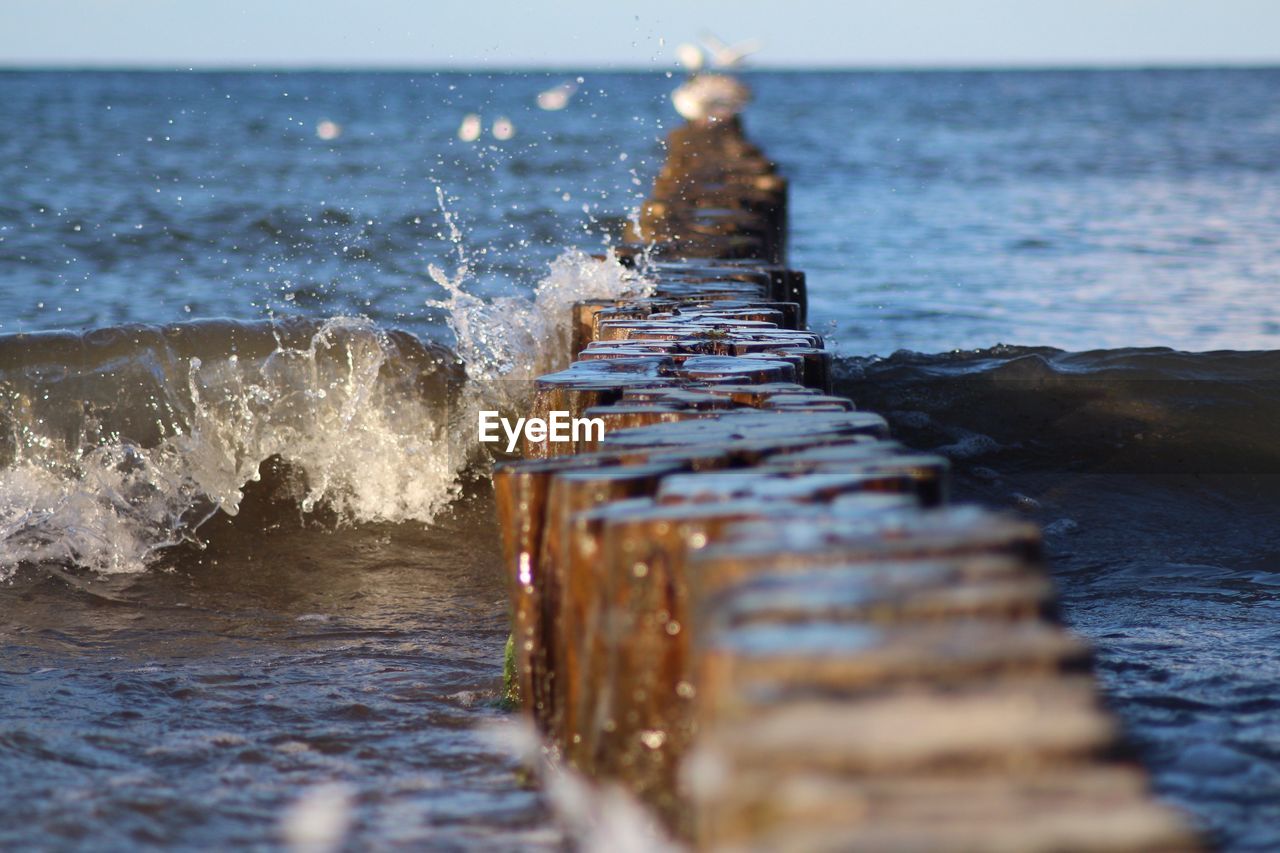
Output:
x,y
330,410
508,341
346,409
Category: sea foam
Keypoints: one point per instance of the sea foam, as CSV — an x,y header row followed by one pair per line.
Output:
x,y
119,443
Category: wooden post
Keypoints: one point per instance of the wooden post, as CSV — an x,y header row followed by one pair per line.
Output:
x,y
757,612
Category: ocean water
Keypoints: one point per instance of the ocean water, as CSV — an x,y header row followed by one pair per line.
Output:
x,y
233,594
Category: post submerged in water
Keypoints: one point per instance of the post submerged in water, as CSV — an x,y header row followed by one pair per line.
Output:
x,y
756,611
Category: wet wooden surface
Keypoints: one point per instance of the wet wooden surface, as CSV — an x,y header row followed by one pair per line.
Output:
x,y
755,610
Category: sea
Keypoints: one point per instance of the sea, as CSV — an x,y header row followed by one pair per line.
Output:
x,y
250,592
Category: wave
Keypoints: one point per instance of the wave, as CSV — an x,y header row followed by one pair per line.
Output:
x,y
118,443
1136,410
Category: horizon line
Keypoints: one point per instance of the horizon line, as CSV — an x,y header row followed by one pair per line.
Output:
x,y
553,68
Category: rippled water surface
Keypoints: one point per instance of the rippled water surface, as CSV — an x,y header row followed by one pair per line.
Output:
x,y
192,704
347,631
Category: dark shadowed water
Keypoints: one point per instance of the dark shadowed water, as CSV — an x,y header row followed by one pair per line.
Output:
x,y
352,634
193,704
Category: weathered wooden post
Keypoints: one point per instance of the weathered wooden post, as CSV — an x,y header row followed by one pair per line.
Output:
x,y
760,614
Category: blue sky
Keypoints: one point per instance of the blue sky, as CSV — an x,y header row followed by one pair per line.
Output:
x,y
591,33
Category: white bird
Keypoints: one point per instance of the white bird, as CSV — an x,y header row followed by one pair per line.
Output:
x,y
690,56
711,97
728,55
707,96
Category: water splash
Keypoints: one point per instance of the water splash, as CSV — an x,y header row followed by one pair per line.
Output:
x,y
127,448
120,443
508,341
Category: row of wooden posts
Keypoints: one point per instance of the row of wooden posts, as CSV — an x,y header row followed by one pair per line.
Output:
x,y
759,613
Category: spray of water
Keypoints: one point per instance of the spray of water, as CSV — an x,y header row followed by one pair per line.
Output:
x,y
170,439
109,457
508,341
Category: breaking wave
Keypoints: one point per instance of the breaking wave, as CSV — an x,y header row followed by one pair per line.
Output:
x,y
119,443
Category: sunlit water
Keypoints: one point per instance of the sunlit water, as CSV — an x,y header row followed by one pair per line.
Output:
x,y
350,633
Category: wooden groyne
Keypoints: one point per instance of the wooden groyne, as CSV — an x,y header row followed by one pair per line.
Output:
x,y
758,612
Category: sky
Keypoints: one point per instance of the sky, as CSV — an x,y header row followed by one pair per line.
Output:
x,y
612,33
